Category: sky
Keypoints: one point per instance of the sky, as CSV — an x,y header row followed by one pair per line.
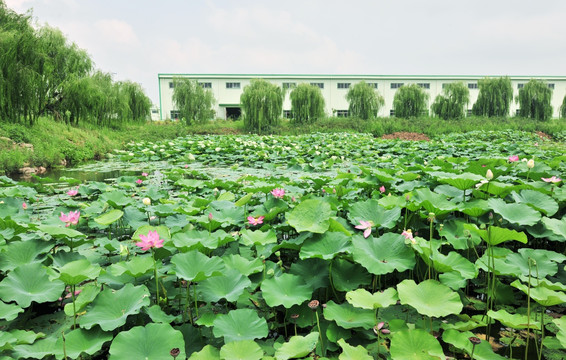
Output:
x,y
138,39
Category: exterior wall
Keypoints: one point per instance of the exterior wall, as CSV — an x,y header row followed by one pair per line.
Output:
x,y
335,98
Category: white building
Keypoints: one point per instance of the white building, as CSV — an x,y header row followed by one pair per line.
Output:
x,y
227,89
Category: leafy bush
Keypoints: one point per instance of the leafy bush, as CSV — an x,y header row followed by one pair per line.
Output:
x,y
452,103
364,101
494,98
410,101
307,104
193,102
535,98
262,105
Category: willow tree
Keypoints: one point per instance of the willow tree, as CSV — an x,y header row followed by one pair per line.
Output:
x,y
262,105
535,100
307,104
139,104
453,101
563,108
192,101
410,101
364,102
494,97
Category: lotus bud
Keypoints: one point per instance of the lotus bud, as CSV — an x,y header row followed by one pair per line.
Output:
x,y
531,164
489,174
146,201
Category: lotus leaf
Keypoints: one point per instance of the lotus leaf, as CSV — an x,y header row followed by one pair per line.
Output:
x,y
9,312
348,276
541,294
230,285
111,307
350,352
364,299
153,341
325,246
138,266
23,252
159,316
195,266
433,202
310,215
543,263
384,254
454,262
496,235
37,350
116,199
75,272
349,317
240,324
207,353
286,290
109,217
28,283
370,210
163,232
258,237
81,341
520,214
297,347
243,265
515,321
558,227
461,340
241,350
61,231
561,335
537,201
462,181
415,344
313,271
429,298
87,295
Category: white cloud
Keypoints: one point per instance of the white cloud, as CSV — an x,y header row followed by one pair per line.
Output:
x,y
116,31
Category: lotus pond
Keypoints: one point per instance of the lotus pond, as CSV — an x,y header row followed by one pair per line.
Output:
x,y
337,246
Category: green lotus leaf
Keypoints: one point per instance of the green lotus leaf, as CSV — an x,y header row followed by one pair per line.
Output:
x,y
23,252
153,341
37,350
159,316
244,199
370,210
28,283
430,298
537,201
313,271
230,285
561,335
468,323
349,317
543,263
75,272
433,202
310,215
16,337
350,352
415,344
61,231
384,254
9,312
86,296
116,199
520,214
195,266
241,350
475,207
496,235
286,290
109,217
136,267
454,232
194,239
558,227
515,321
111,307
462,181
240,324
243,265
497,188
208,352
81,341
453,280
226,212
297,347
454,262
541,294
163,210
258,237
461,340
348,276
325,246
364,299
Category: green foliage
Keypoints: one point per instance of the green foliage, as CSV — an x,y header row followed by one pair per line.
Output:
x,y
307,104
364,101
563,108
262,104
535,98
410,101
193,102
452,103
494,98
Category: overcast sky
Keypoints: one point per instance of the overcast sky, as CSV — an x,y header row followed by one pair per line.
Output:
x,y
137,39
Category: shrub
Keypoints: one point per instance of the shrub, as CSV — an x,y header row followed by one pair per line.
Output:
x,y
262,105
453,101
364,101
193,102
494,97
307,104
410,101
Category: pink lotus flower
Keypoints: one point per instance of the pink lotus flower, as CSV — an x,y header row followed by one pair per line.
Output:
x,y
72,192
408,234
24,206
209,216
71,218
255,221
151,240
278,193
139,181
366,226
186,166
552,179
144,174
379,327
513,158
382,189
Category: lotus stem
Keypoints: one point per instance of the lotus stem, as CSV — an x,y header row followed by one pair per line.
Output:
x,y
74,307
528,312
156,278
188,308
320,334
196,300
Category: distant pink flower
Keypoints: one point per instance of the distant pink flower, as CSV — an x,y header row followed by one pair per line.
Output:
x,y
278,193
379,327
24,206
513,158
366,226
144,174
139,181
151,240
209,216
293,199
255,221
186,166
408,234
382,189
71,218
72,192
552,179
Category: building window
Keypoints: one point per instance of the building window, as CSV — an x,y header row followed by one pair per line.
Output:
x,y
320,85
171,84
444,85
342,113
551,86
424,85
175,114
232,85
396,85
520,86
472,85
470,112
372,85
289,85
343,85
205,85
287,114
518,112
392,112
